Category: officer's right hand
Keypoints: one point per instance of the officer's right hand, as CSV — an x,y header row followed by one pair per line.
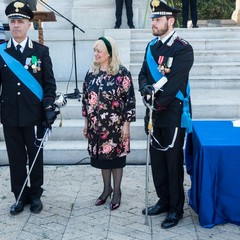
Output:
x,y
147,90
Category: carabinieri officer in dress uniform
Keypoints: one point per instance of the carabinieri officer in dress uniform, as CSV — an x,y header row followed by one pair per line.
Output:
x,y
165,72
27,98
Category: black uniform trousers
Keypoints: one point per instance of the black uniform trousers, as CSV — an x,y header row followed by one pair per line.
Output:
x,y
185,11
129,11
167,168
21,148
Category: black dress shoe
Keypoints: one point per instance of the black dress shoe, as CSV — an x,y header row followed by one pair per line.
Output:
x,y
195,26
36,206
131,26
171,220
117,27
17,208
155,210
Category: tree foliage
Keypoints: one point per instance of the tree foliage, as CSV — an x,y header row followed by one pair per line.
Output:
x,y
210,9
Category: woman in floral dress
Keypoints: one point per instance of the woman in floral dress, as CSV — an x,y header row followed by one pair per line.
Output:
x,y
108,108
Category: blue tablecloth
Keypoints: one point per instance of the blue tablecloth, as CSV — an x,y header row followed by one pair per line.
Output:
x,y
212,157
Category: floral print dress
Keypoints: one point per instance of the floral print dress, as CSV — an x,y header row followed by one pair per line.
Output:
x,y
108,101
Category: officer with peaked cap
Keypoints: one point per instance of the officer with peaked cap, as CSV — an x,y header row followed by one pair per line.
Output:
x,y
165,72
27,97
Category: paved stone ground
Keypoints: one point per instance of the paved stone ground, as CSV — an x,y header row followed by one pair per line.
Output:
x,y
70,214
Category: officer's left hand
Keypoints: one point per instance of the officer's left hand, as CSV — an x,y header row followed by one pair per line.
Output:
x,y
50,116
147,90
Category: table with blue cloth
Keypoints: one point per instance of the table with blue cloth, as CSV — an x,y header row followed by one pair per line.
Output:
x,y
212,158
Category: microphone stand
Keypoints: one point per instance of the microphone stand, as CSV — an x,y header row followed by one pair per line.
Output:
x,y
76,94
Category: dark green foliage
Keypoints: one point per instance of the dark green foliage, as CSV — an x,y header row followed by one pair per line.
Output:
x,y
209,9
215,9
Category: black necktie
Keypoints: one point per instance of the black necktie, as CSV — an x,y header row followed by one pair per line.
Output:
x,y
18,49
159,43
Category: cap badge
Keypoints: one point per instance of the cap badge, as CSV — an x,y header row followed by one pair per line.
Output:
x,y
18,5
155,3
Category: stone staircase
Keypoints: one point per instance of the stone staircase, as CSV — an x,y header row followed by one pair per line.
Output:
x,y
214,80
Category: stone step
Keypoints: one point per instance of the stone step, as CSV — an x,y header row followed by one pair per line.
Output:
x,y
202,69
217,23
193,33
207,101
200,56
197,44
215,82
73,152
209,82
72,129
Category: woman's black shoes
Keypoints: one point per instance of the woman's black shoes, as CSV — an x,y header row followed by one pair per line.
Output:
x,y
116,205
101,201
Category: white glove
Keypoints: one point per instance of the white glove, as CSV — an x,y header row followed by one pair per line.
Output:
x,y
60,100
159,84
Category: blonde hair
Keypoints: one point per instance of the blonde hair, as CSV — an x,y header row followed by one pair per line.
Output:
x,y
114,60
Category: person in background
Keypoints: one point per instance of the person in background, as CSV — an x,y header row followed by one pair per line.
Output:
x,y
27,105
109,108
129,12
164,73
185,13
2,34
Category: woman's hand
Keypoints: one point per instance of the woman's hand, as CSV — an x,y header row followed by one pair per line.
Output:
x,y
125,131
85,129
85,132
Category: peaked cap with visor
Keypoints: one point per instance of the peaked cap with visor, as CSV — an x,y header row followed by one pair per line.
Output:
x,y
160,8
18,9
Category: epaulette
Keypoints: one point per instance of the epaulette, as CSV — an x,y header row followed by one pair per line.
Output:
x,y
2,41
172,39
182,41
30,43
37,43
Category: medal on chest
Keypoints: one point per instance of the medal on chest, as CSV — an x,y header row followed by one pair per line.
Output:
x,y
34,63
164,64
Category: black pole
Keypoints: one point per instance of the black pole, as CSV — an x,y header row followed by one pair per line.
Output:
x,y
76,94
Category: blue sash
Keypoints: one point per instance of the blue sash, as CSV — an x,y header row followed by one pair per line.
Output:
x,y
22,73
186,121
152,65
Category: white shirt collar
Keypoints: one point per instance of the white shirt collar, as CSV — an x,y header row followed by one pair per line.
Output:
x,y
166,37
23,44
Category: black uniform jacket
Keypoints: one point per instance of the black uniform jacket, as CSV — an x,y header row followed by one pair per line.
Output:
x,y
169,108
20,107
